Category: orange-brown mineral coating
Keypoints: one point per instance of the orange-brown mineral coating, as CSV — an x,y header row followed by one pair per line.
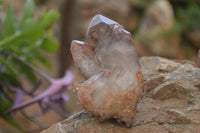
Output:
x,y
108,59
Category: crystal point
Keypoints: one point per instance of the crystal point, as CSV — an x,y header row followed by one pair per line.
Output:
x,y
100,19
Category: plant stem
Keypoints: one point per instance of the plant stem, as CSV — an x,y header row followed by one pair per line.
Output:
x,y
10,39
49,79
2,60
40,124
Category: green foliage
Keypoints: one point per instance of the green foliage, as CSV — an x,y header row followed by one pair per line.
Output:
x,y
9,27
28,9
48,44
25,39
32,30
187,20
1,2
189,17
48,18
5,105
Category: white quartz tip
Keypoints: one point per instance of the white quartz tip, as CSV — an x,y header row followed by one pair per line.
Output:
x,y
98,19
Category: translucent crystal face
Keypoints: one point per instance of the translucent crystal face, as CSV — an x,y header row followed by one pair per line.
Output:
x,y
99,19
109,61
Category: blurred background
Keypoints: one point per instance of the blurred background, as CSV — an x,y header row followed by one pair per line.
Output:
x,y
166,28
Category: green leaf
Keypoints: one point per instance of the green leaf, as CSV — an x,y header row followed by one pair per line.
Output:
x,y
189,16
16,50
28,73
5,105
23,69
52,15
9,28
28,9
32,30
11,39
48,18
1,2
49,45
9,79
42,59
8,66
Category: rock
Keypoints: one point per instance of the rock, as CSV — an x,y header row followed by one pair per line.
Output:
x,y
141,3
154,114
157,21
158,17
198,59
108,60
194,37
169,79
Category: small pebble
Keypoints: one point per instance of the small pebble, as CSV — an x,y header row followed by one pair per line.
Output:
x,y
189,101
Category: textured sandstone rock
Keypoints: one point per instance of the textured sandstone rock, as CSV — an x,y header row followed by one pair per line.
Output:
x,y
171,114
108,60
170,79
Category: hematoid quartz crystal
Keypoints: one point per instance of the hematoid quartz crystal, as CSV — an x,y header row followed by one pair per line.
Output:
x,y
110,64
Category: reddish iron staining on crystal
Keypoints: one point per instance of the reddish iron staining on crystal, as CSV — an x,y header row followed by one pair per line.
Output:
x,y
109,61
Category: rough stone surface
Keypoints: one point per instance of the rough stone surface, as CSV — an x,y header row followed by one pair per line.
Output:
x,y
158,19
108,60
158,16
198,59
194,37
141,3
178,111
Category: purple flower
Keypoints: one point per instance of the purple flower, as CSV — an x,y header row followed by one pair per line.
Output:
x,y
53,90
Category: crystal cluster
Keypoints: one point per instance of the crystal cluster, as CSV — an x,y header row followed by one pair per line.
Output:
x,y
109,62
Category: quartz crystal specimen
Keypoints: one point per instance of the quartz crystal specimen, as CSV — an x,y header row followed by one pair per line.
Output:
x,y
109,61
